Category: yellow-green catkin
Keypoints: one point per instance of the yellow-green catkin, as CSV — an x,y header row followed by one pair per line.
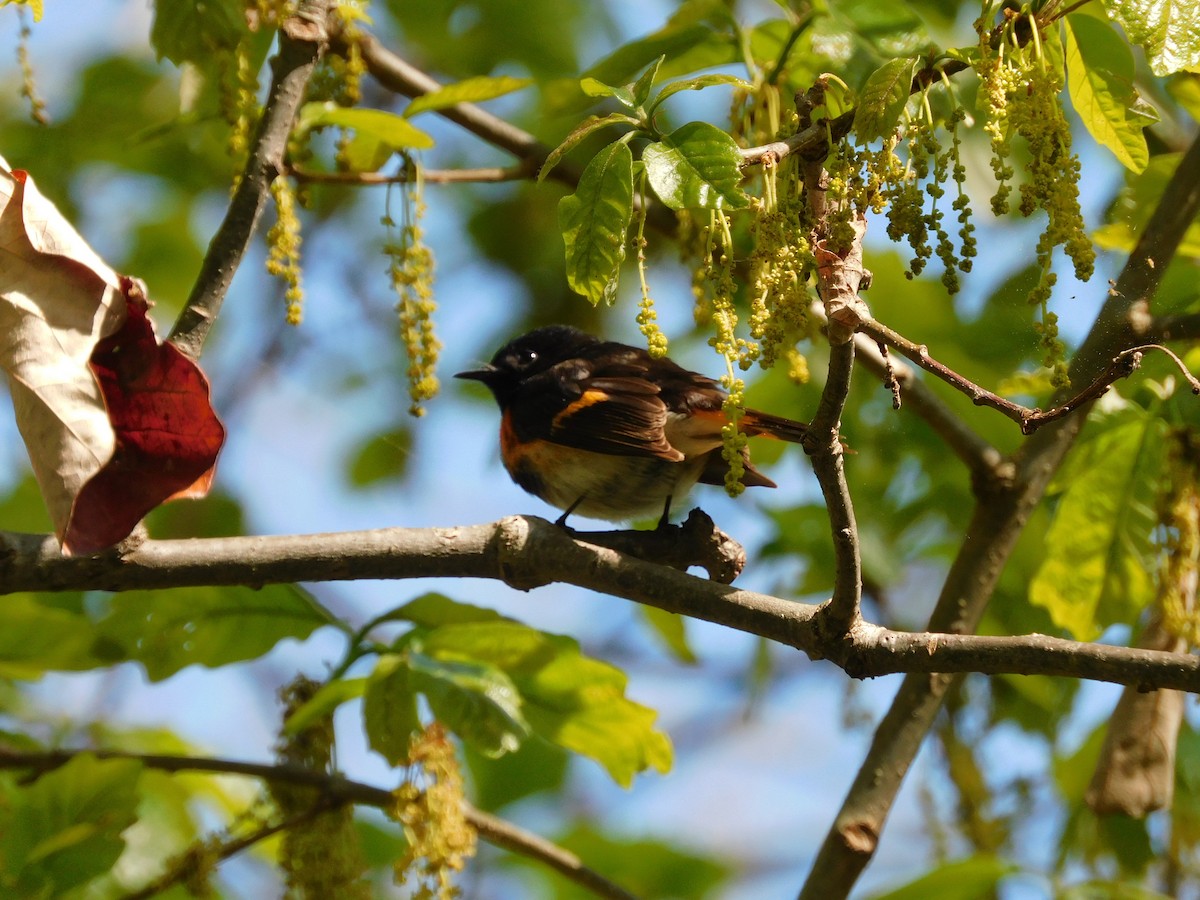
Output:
x,y
411,271
37,106
429,805
780,264
320,856
647,317
283,248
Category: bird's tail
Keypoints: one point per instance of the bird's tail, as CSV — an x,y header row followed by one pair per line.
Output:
x,y
756,423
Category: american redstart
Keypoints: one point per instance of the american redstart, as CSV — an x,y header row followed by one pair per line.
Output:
x,y
608,431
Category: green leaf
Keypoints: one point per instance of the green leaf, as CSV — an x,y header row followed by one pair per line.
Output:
x,y
390,709
328,697
569,699
538,766
974,878
477,701
594,220
695,84
641,87
1141,195
195,30
581,131
211,626
469,90
696,167
1098,568
1100,81
699,42
1168,30
383,457
883,99
671,629
595,88
433,609
65,829
388,128
37,638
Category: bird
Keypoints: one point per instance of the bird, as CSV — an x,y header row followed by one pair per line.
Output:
x,y
606,431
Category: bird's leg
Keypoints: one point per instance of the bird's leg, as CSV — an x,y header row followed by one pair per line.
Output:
x,y
561,521
665,521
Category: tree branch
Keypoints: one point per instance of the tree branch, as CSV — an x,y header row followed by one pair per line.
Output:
x,y
490,175
991,535
302,40
335,790
527,552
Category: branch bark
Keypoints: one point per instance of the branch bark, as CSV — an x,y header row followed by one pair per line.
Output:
x,y
302,40
526,552
998,519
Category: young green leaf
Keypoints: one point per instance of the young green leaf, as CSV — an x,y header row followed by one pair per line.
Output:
x,y
567,698
469,90
594,220
432,610
390,708
883,99
387,128
1167,30
210,626
65,828
671,629
475,700
328,697
593,87
191,31
582,130
973,877
696,167
1098,568
1100,81
641,87
694,84
38,638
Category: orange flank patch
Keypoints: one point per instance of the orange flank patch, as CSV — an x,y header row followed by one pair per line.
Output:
x,y
589,398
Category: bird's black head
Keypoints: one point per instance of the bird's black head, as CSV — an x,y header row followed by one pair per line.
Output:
x,y
528,355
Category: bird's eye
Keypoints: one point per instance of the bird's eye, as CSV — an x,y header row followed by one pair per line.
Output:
x,y
526,358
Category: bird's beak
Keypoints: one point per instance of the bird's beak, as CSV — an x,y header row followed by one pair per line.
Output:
x,y
484,373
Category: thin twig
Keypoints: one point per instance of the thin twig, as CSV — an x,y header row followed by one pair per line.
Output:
x,y
302,40
335,790
490,175
232,847
1122,365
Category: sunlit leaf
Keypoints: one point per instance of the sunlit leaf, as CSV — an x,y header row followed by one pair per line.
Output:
x,y
196,31
432,610
388,128
36,638
210,626
65,828
390,709
1100,81
469,90
696,167
882,100
382,457
671,630
328,697
695,84
596,88
1098,568
581,131
1169,31
572,700
475,700
594,220
973,878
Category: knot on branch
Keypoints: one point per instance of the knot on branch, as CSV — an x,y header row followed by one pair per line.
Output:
x,y
697,542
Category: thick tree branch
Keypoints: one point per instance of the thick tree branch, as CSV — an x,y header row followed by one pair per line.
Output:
x,y
335,790
527,552
302,40
997,522
489,175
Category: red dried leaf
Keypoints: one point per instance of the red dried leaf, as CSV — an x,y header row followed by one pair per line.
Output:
x,y
167,434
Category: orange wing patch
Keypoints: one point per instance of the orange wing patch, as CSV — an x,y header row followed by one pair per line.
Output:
x,y
589,398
